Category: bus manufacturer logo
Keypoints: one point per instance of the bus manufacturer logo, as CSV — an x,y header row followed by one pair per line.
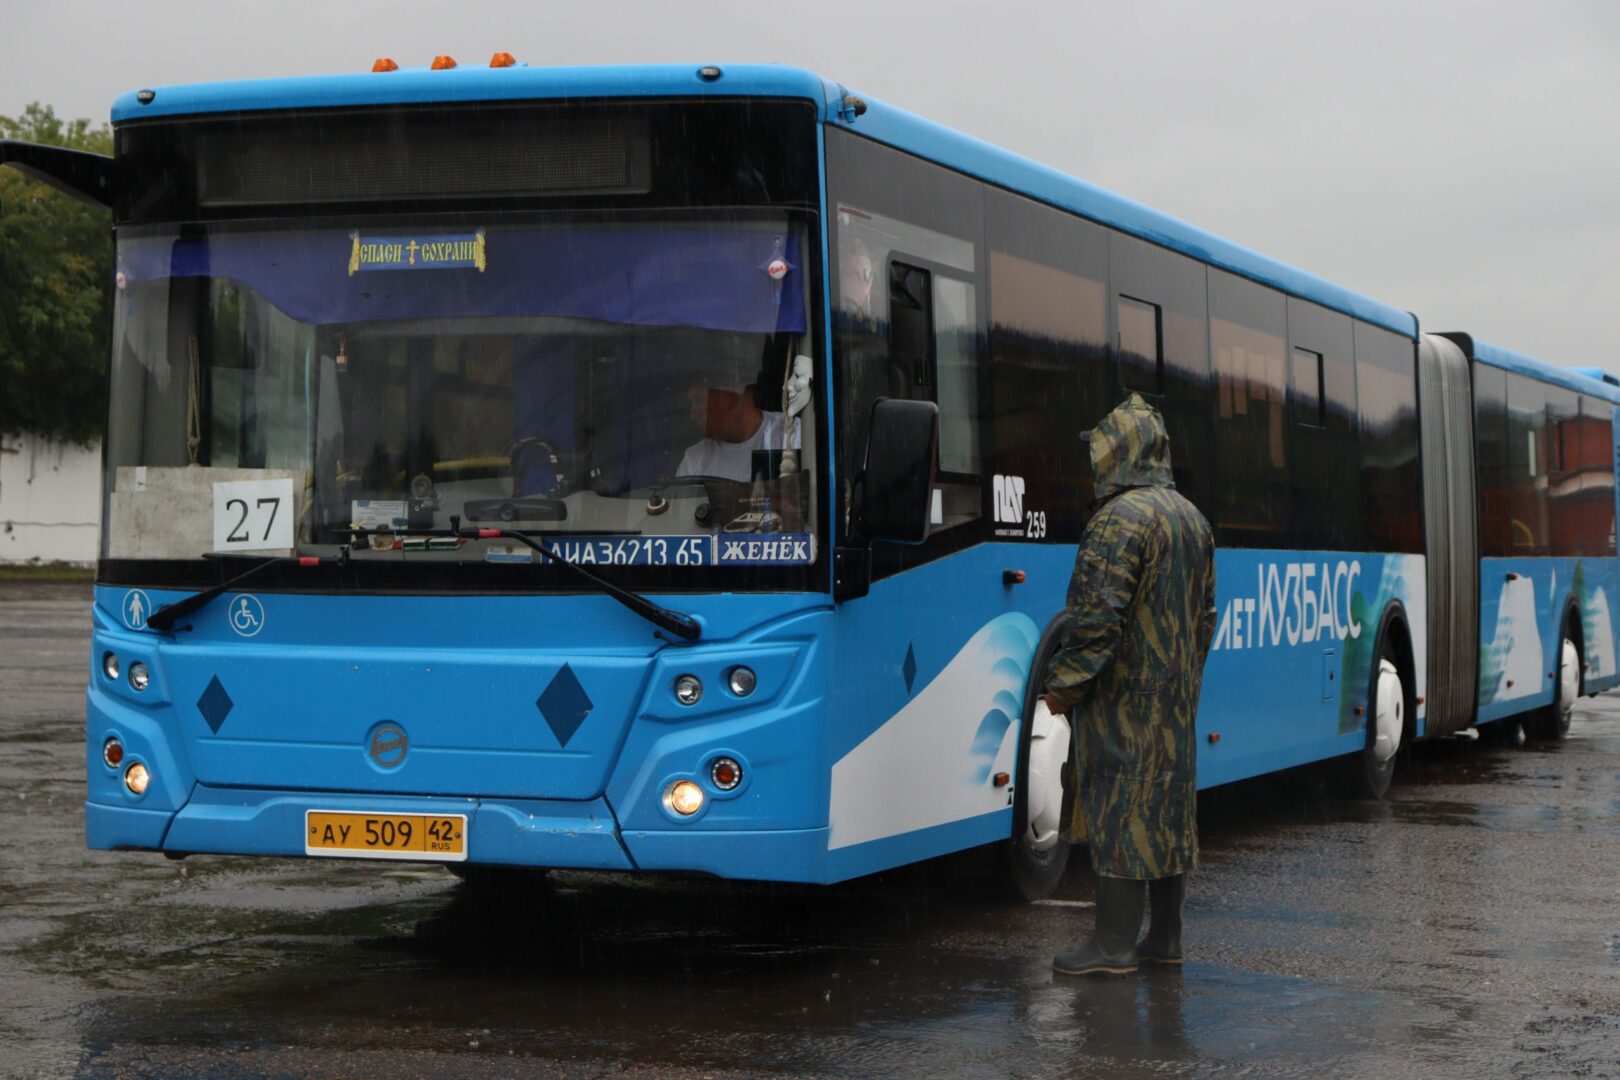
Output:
x,y
388,745
1008,496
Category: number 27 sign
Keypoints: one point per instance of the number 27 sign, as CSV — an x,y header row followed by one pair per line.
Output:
x,y
253,515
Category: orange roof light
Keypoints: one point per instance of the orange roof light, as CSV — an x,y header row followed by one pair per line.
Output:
x,y
384,64
502,59
443,63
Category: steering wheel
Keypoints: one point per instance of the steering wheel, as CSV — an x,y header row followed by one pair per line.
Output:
x,y
528,445
707,512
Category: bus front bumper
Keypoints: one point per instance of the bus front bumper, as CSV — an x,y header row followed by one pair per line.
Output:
x,y
519,832
577,835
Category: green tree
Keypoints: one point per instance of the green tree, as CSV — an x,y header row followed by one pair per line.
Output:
x,y
56,270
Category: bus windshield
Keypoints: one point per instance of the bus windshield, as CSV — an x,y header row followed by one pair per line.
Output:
x,y
637,388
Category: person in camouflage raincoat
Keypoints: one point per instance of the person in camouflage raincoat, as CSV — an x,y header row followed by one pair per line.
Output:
x,y
1140,617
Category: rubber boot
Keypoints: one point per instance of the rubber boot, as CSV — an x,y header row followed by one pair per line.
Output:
x,y
1162,945
1112,948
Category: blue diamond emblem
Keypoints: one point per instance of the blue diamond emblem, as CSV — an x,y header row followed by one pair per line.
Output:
x,y
564,705
215,704
909,669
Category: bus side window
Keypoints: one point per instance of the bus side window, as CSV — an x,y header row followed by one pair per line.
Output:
x,y
1323,450
1309,406
1563,461
1596,476
1141,345
1490,460
1160,314
933,353
1527,466
1391,467
1248,331
1050,376
911,329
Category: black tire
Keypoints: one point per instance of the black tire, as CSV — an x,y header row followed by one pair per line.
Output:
x,y
1552,723
1372,774
1024,871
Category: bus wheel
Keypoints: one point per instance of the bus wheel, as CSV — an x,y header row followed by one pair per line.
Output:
x,y
1554,722
1386,724
1034,857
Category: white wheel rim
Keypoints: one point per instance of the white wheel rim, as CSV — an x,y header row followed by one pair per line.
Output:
x,y
1043,795
1569,677
1390,715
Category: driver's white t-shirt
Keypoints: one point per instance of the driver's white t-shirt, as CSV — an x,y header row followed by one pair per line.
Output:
x,y
734,461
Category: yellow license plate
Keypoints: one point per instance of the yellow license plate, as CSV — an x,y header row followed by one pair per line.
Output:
x,y
439,837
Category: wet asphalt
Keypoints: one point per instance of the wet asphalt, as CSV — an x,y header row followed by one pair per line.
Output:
x,y
1470,926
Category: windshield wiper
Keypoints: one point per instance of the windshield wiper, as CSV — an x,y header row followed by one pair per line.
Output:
x,y
678,623
163,619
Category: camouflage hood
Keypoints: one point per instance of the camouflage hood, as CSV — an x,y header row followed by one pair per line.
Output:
x,y
1130,449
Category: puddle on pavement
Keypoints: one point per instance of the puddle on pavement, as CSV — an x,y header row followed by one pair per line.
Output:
x,y
701,975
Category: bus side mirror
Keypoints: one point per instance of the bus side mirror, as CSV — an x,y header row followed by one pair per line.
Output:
x,y
897,489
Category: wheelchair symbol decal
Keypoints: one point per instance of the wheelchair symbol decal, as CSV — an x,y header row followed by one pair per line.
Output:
x,y
246,615
136,607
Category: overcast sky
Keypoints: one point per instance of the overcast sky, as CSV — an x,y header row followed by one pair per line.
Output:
x,y
1460,160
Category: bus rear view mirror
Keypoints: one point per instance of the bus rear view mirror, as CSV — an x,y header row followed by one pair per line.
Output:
x,y
901,454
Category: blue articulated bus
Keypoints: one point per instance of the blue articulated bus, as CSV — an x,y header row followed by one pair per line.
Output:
x,y
677,469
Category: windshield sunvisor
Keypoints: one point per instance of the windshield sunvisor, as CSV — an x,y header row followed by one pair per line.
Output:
x,y
719,278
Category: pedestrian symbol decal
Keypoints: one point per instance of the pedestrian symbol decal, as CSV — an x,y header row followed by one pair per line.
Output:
x,y
136,607
246,615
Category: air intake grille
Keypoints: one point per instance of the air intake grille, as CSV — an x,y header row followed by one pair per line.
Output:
x,y
334,165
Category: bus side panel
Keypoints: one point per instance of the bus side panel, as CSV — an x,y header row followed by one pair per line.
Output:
x,y
925,703
926,690
1598,596
1521,605
1292,658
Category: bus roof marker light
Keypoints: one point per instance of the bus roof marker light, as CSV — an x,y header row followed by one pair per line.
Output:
x,y
503,60
145,97
443,62
851,106
709,73
384,63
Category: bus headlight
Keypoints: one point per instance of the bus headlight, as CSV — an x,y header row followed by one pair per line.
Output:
x,y
688,689
742,681
139,679
136,778
109,666
683,797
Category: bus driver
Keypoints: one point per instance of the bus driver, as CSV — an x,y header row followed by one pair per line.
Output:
x,y
734,426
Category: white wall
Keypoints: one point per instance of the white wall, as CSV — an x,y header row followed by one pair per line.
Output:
x,y
50,500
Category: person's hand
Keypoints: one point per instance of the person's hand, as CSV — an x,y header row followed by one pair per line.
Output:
x,y
1056,707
